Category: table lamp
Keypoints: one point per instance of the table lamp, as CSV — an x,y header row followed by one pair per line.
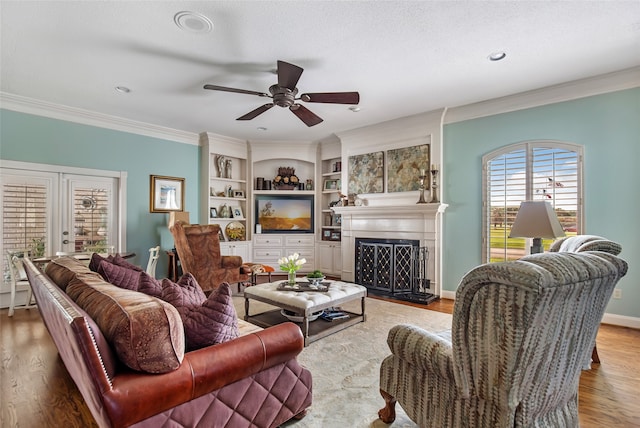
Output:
x,y
537,220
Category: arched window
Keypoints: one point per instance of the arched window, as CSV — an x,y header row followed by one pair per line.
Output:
x,y
540,170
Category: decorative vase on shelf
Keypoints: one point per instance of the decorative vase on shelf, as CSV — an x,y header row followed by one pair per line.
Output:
x,y
228,169
292,278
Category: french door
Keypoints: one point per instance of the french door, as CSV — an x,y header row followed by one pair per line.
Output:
x,y
46,208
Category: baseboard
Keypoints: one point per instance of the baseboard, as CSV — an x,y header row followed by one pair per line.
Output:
x,y
21,298
621,320
613,319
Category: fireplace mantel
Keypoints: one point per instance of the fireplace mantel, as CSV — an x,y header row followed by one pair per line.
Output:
x,y
417,221
392,211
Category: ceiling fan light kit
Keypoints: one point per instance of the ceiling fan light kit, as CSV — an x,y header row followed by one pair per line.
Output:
x,y
284,94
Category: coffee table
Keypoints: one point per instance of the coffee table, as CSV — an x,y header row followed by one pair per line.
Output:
x,y
305,304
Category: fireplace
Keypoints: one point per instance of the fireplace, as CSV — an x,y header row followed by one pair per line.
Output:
x,y
415,233
395,268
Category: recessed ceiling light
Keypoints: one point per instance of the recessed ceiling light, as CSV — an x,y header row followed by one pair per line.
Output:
x,y
193,22
261,128
123,89
354,109
497,56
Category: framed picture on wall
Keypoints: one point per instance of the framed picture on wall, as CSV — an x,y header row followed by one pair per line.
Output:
x,y
166,194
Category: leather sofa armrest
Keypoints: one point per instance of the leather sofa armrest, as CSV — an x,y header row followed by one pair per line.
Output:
x,y
228,262
244,356
138,396
421,348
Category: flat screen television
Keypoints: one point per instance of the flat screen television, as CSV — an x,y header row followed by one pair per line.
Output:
x,y
284,213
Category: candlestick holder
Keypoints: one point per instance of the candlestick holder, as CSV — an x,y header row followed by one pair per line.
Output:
x,y
434,186
422,200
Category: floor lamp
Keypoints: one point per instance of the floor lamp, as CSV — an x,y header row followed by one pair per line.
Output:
x,y
537,220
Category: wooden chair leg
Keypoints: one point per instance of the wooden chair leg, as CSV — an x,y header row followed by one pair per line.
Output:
x,y
388,413
594,355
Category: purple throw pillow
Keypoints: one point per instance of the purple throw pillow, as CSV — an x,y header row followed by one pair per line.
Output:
x,y
119,276
149,285
96,259
186,293
119,261
215,321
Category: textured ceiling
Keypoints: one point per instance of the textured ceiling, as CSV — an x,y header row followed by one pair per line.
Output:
x,y
404,57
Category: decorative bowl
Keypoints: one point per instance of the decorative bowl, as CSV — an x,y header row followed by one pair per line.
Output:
x,y
299,318
316,281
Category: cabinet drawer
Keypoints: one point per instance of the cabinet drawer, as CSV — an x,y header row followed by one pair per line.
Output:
x,y
267,241
300,241
307,253
267,253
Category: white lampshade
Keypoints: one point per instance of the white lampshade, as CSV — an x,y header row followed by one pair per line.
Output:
x,y
536,219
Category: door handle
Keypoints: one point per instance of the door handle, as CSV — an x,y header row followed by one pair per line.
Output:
x,y
66,241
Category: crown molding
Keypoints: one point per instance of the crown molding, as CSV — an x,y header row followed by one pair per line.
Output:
x,y
85,117
611,82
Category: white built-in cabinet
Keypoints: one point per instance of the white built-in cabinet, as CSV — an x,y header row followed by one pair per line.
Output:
x,y
329,258
268,248
236,248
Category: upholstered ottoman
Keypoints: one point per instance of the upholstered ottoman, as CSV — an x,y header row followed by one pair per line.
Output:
x,y
305,304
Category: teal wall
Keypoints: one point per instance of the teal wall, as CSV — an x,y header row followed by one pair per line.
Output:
x,y
38,139
608,126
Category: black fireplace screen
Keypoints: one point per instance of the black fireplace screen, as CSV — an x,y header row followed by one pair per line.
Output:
x,y
394,267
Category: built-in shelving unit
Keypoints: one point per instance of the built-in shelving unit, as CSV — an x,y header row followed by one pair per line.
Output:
x,y
329,250
267,163
225,191
331,191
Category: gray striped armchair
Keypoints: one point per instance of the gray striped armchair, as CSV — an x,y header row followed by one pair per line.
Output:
x,y
521,333
578,244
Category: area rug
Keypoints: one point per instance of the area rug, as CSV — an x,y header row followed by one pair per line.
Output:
x,y
345,366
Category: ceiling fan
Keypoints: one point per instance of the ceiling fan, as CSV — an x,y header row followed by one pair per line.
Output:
x,y
284,94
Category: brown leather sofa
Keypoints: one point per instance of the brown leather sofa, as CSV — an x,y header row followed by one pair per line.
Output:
x,y
251,381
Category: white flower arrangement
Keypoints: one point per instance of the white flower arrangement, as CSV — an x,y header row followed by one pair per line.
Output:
x,y
292,263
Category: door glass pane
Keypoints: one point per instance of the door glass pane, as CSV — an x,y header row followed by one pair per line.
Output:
x,y
91,219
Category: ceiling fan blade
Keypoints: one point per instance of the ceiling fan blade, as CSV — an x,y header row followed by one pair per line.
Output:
x,y
288,74
305,115
239,91
256,112
332,97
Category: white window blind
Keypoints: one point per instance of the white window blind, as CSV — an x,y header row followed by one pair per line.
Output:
x,y
24,214
528,171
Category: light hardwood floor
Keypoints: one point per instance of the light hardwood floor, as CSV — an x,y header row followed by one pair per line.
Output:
x,y
36,390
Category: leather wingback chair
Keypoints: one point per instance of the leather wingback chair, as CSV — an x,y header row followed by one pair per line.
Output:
x,y
579,243
198,248
521,332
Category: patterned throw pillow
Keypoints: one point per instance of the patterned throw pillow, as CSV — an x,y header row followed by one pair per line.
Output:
x,y
207,321
119,276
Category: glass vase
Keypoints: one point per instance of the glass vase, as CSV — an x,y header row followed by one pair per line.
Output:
x,y
292,278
